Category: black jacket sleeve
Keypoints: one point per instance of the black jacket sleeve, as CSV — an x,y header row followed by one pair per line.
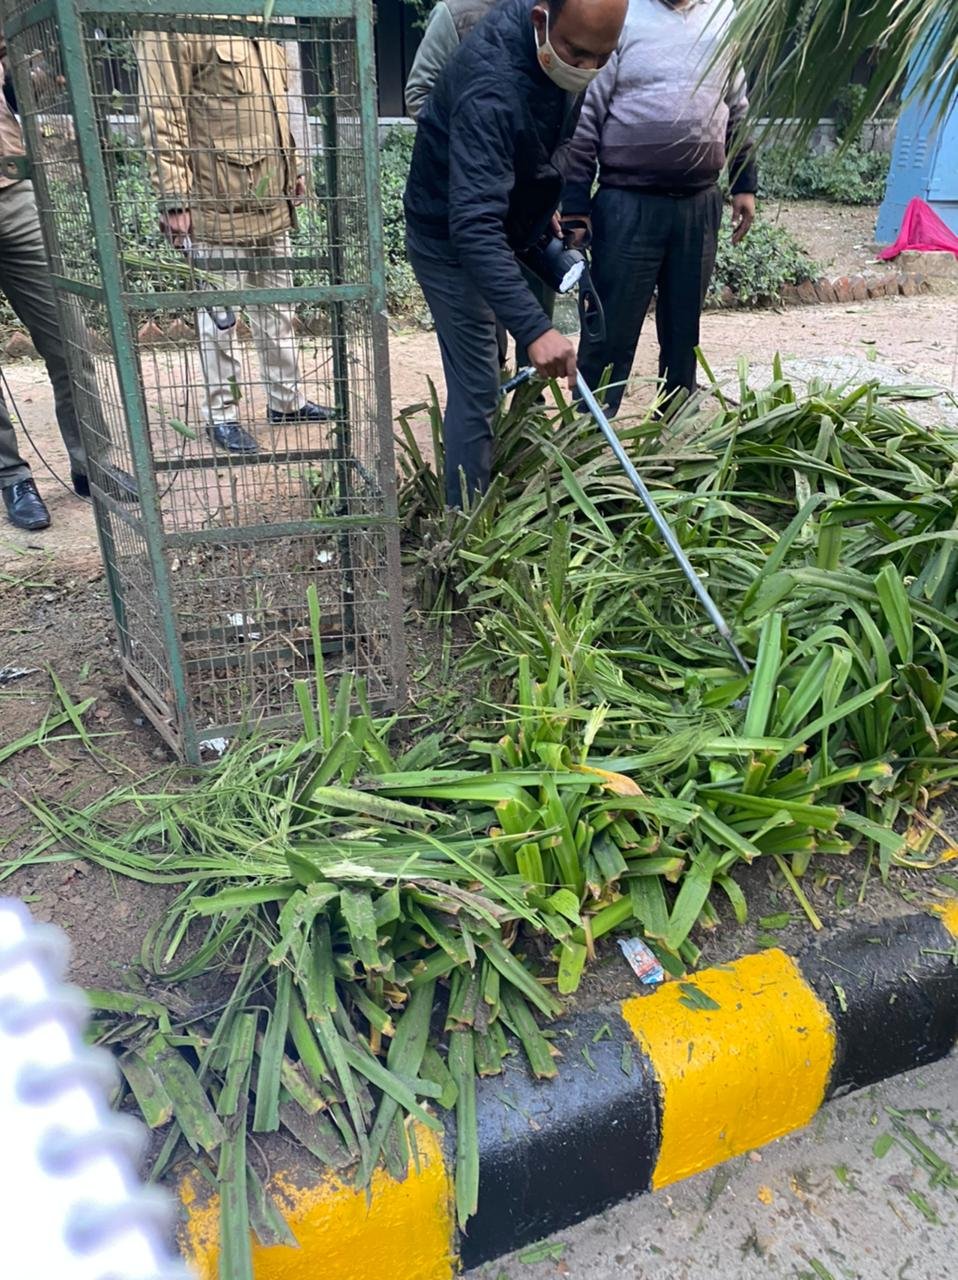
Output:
x,y
482,148
739,147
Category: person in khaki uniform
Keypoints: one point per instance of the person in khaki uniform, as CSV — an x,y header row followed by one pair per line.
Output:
x,y
214,116
25,280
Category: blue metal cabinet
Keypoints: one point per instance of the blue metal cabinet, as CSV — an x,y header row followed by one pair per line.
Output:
x,y
924,163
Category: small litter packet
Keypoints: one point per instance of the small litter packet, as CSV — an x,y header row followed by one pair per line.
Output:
x,y
644,964
238,620
9,674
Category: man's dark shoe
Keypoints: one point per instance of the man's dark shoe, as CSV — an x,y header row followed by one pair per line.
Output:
x,y
114,481
230,435
309,412
119,484
25,507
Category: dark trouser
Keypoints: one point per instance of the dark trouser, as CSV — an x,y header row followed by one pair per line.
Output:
x,y
25,279
640,243
466,329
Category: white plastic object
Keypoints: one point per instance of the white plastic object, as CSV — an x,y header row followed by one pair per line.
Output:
x,y
72,1206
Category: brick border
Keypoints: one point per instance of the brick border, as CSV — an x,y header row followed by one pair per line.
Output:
x,y
837,290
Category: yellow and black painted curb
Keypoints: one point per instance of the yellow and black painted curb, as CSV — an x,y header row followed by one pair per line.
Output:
x,y
650,1091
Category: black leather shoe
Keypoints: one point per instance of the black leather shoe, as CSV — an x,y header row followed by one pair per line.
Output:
x,y
309,412
119,484
230,435
114,481
25,507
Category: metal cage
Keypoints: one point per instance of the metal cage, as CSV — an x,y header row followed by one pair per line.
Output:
x,y
208,185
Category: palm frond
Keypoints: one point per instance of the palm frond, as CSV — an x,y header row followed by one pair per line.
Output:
x,y
799,54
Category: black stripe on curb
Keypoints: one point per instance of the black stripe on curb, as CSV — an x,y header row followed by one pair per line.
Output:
x,y
892,992
555,1152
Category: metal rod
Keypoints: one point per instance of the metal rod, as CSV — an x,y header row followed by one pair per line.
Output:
x,y
638,484
382,391
517,380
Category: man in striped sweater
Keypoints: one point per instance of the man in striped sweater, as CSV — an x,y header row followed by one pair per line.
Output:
x,y
658,126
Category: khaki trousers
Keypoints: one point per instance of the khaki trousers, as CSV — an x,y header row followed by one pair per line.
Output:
x,y
271,325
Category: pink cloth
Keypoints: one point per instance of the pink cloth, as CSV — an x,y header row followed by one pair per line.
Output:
x,y
923,230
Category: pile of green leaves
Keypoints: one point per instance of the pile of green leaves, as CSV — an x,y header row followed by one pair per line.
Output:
x,y
358,932
360,927
825,528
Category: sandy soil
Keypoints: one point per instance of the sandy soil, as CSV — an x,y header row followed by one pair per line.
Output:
x,y
919,336
839,237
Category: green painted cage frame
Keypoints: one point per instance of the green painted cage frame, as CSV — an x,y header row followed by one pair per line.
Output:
x,y
156,548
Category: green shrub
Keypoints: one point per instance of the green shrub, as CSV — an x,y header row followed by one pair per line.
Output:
x,y
853,176
395,155
847,109
848,174
767,259
783,175
8,317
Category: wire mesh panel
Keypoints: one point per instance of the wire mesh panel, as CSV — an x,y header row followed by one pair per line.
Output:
x,y
208,186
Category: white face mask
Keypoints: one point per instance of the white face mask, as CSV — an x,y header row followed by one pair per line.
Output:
x,y
571,79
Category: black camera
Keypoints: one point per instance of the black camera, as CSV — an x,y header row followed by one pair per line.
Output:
x,y
562,267
555,263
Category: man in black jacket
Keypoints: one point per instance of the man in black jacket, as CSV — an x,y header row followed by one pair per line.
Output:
x,y
485,183
450,22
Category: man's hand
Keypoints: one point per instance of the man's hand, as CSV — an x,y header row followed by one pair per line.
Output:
x,y
553,356
176,225
299,190
43,79
743,215
579,234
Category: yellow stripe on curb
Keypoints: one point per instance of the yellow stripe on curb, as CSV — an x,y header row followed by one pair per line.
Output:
x,y
948,915
735,1077
403,1232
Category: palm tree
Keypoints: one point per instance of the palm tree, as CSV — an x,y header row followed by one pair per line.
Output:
x,y
801,52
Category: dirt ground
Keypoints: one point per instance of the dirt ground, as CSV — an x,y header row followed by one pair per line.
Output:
x,y
839,237
919,336
56,617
